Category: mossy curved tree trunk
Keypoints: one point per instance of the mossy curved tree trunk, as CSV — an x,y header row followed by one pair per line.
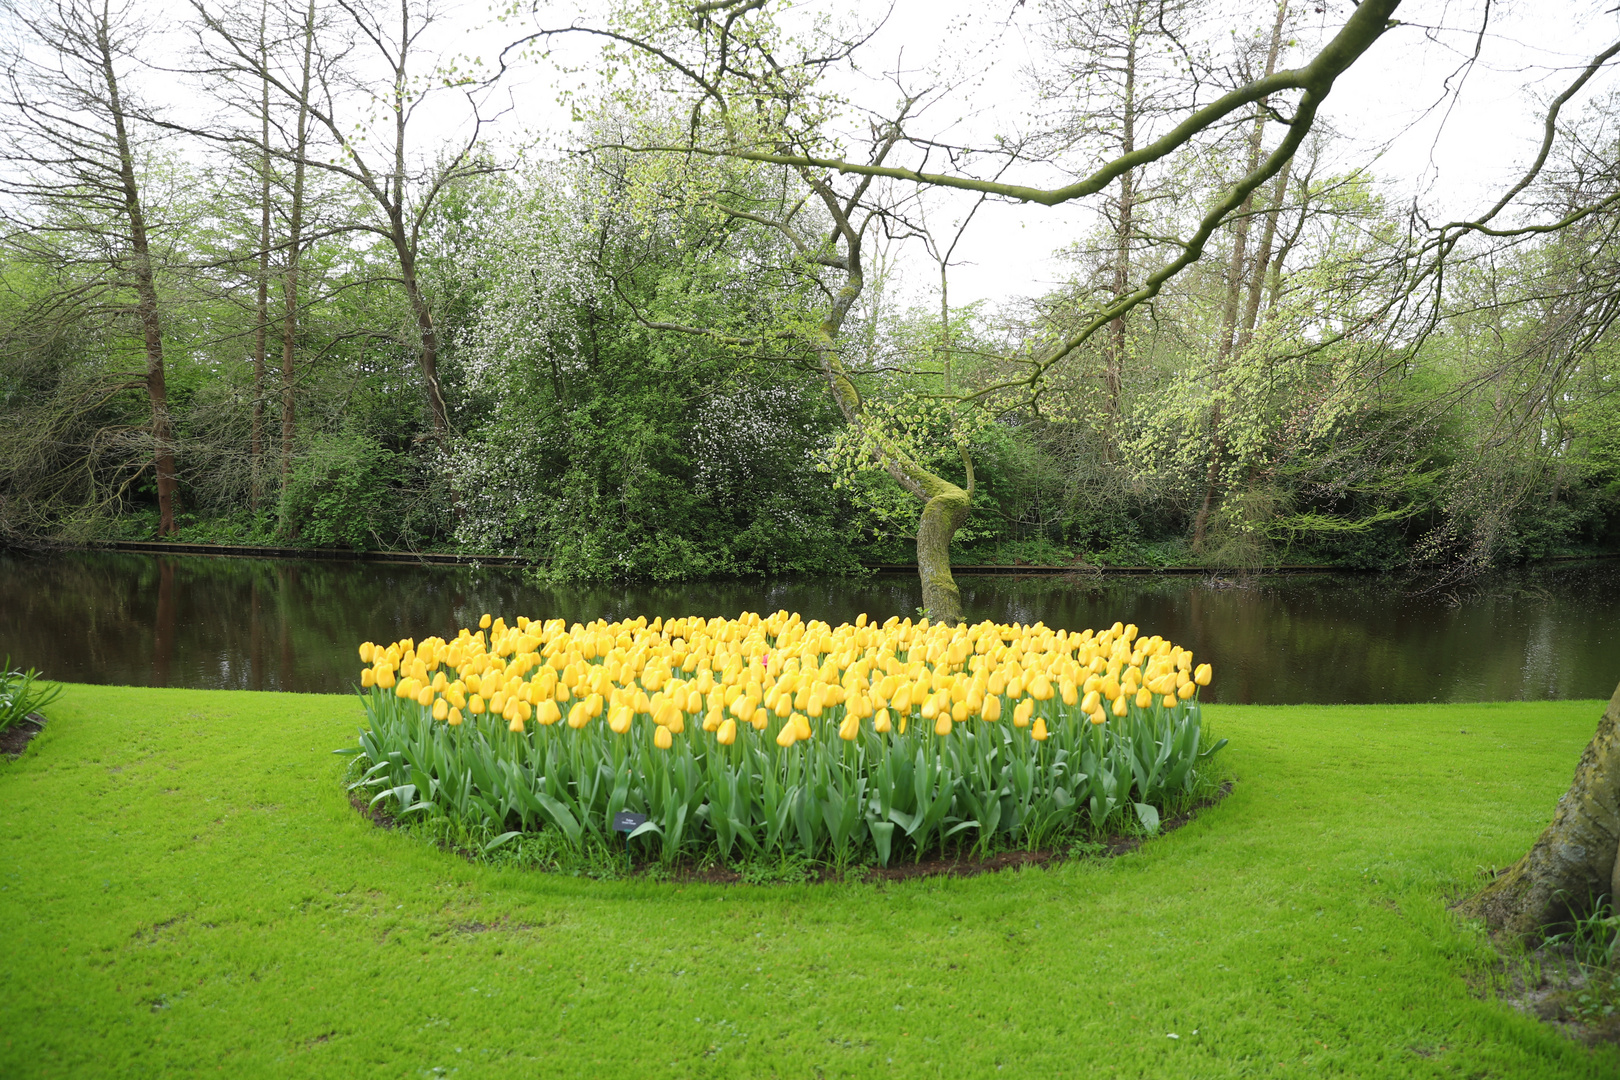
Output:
x,y
944,512
1573,863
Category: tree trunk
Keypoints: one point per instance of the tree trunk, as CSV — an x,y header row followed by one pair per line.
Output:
x,y
943,513
1114,371
1573,862
146,302
295,239
1236,279
1262,261
261,326
427,352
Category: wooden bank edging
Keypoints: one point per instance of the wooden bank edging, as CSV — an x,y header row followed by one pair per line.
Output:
x,y
256,551
436,558
260,551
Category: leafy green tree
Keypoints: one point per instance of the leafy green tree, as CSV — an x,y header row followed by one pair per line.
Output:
x,y
76,165
756,94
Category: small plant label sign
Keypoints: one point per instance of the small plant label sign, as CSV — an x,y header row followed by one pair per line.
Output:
x,y
624,821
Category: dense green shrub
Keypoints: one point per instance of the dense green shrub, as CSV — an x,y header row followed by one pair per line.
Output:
x,y
343,492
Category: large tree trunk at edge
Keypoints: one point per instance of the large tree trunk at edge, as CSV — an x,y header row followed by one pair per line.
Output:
x,y
1573,862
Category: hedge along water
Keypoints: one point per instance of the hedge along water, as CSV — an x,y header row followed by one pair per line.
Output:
x,y
763,735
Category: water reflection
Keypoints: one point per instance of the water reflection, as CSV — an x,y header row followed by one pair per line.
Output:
x,y
263,624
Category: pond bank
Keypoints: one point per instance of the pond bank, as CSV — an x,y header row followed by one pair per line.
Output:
x,y
436,558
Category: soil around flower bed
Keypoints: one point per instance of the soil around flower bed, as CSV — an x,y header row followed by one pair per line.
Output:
x,y
16,737
1109,847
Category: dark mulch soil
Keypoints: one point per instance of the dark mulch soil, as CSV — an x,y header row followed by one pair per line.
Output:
x,y
961,865
17,736
1551,987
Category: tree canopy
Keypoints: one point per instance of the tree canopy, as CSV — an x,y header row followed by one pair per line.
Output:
x,y
694,340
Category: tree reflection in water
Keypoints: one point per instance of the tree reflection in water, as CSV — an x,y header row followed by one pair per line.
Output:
x,y
263,624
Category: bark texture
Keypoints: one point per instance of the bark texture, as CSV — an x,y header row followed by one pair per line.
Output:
x,y
1574,860
146,298
943,513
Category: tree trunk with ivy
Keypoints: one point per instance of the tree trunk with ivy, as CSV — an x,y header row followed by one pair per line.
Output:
x,y
1573,864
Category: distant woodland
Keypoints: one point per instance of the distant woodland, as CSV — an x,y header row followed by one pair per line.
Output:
x,y
255,289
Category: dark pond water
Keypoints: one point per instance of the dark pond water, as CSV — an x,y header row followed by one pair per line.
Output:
x,y
283,625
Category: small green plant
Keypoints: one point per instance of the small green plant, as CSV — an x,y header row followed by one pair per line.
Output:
x,y
22,693
785,867
1592,940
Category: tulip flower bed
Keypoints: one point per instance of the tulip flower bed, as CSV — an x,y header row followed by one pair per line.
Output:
x,y
758,735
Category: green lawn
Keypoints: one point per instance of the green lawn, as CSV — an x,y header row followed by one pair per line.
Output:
x,y
185,890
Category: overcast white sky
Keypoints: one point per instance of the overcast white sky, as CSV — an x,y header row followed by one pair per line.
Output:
x,y
1409,112
1428,127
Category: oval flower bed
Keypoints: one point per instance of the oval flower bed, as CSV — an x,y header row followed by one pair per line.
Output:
x,y
758,735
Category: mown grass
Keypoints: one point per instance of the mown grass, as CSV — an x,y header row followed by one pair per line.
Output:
x,y
185,890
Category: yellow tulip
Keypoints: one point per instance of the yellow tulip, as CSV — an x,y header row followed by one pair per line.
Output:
x,y
713,719
547,713
1186,690
367,651
1070,692
619,719
801,727
483,624
1040,687
497,702
1144,698
1038,732
727,732
880,721
1202,675
368,678
850,728
942,726
441,709
1099,717
1122,705
1022,712
515,724
578,716
1089,703
663,739
992,709
1169,701
788,735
